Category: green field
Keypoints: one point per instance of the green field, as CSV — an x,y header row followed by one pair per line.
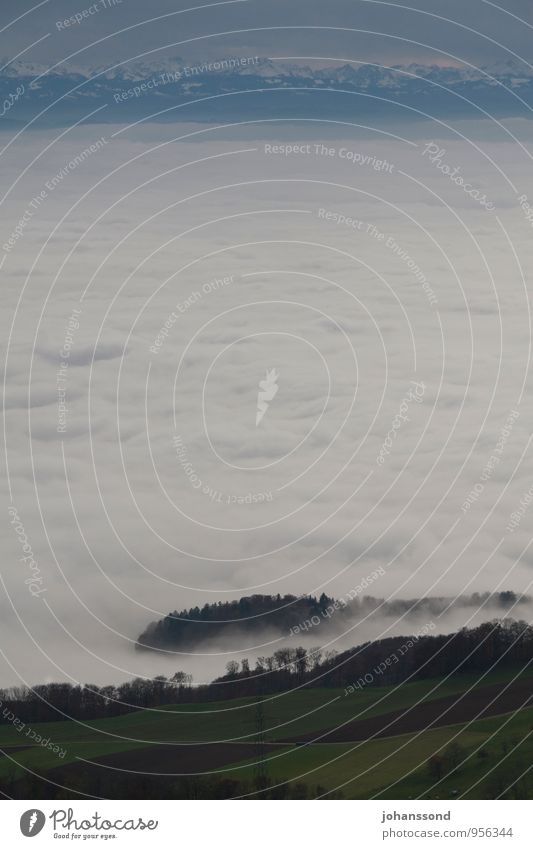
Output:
x,y
489,753
396,767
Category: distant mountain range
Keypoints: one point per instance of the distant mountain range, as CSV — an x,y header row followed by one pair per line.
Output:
x,y
236,89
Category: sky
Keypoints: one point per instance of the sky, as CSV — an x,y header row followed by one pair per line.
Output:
x,y
427,31
161,285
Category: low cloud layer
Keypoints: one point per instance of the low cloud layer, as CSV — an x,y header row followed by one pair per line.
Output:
x,y
152,294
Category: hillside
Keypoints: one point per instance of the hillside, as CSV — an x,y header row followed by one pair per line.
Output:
x,y
212,750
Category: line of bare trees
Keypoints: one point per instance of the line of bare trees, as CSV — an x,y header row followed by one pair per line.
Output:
x,y
497,643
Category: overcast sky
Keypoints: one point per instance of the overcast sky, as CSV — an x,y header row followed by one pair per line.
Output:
x,y
478,31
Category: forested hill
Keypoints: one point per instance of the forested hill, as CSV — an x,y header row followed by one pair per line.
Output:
x,y
291,616
251,614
